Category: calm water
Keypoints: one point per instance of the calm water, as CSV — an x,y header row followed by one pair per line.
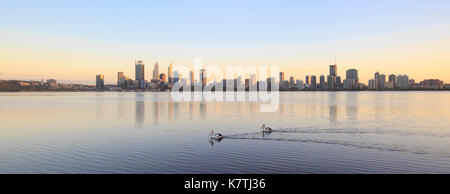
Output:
x,y
315,132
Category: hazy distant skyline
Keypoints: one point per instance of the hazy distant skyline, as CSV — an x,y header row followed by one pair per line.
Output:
x,y
75,40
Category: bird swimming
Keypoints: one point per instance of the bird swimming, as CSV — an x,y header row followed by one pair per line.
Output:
x,y
266,129
216,136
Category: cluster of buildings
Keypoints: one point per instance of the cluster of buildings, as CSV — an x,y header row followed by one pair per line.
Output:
x,y
48,85
331,82
164,81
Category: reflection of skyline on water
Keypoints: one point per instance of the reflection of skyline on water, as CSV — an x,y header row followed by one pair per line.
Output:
x,y
139,110
408,134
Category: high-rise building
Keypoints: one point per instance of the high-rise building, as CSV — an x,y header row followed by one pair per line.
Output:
x,y
338,84
291,82
176,77
252,82
349,84
330,82
163,78
382,82
192,78
392,82
203,77
156,71
333,70
119,75
372,84
140,73
352,74
377,80
100,82
307,80
322,82
313,82
169,73
300,85
281,77
403,82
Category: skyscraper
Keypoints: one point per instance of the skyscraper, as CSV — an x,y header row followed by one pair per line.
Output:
x,y
156,71
403,82
322,82
281,77
163,78
382,82
291,82
119,75
377,80
352,74
140,73
392,81
330,82
169,73
192,78
333,70
100,82
307,80
203,77
338,83
313,82
252,82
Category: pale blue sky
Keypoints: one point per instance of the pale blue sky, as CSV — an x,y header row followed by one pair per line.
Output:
x,y
294,33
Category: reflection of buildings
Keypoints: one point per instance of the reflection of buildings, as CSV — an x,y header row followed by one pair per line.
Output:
x,y
333,109
140,110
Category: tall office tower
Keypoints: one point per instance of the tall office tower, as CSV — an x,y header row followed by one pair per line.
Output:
x,y
192,78
176,77
100,82
140,73
281,77
377,80
333,70
352,74
156,71
252,82
348,84
392,81
372,84
313,82
203,77
169,73
338,83
163,78
403,82
307,80
119,75
382,82
292,82
300,85
322,82
330,82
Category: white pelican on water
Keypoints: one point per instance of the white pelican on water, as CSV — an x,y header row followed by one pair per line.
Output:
x,y
266,129
215,136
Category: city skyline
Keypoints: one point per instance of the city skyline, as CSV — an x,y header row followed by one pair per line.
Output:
x,y
408,37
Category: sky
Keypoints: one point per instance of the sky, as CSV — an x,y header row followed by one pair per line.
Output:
x,y
74,40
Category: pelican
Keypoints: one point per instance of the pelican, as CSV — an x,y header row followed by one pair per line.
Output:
x,y
266,129
215,136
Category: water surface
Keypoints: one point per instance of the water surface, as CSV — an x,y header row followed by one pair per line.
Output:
x,y
315,132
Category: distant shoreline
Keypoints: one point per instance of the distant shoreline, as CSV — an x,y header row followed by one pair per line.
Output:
x,y
149,91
